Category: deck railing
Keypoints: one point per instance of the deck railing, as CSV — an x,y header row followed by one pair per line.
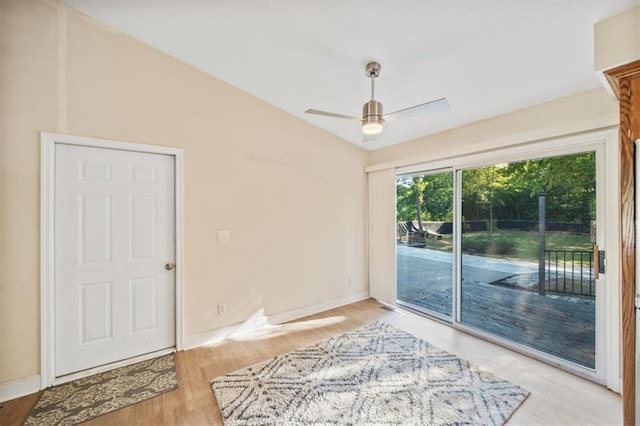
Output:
x,y
569,272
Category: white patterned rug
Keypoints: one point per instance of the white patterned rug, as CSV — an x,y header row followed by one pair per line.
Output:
x,y
375,374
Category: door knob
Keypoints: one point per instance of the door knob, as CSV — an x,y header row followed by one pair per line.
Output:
x,y
170,266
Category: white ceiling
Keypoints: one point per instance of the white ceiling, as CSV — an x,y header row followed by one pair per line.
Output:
x,y
486,57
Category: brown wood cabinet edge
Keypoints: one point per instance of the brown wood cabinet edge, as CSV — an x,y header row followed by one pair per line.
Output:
x,y
625,82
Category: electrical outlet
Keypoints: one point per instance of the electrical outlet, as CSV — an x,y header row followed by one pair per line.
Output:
x,y
222,308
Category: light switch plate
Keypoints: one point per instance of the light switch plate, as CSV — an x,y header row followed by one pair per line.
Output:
x,y
224,236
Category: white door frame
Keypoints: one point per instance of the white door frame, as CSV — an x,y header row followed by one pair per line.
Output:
x,y
48,143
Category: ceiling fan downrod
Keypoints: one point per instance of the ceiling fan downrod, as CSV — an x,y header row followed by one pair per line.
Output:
x,y
372,120
372,71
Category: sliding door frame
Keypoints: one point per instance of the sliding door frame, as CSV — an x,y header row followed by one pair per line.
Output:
x,y
430,312
604,143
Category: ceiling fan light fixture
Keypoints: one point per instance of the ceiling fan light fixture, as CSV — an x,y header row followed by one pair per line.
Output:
x,y
372,126
372,121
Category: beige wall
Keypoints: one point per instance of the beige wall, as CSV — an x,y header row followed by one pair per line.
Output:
x,y
293,196
573,114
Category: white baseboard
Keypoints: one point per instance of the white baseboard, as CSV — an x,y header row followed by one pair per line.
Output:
x,y
217,335
19,387
318,307
256,323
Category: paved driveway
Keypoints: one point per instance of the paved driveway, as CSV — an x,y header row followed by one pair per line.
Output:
x,y
421,271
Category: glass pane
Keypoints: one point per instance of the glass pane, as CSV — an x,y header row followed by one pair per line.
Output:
x,y
520,219
424,241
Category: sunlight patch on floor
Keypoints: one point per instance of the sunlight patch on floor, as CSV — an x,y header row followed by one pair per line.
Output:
x,y
257,327
271,331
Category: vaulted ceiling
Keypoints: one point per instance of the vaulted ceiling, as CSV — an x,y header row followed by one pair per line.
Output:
x,y
486,57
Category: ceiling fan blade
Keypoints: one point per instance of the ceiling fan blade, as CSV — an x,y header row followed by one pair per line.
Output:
x,y
431,106
368,138
332,114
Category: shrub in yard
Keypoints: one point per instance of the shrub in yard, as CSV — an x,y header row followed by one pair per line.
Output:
x,y
488,244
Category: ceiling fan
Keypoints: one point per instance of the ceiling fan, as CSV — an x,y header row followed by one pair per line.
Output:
x,y
372,117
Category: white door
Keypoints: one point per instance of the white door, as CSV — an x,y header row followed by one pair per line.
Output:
x,y
114,239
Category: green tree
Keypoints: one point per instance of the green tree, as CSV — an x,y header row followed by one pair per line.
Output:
x,y
438,197
482,190
425,198
568,181
508,191
405,199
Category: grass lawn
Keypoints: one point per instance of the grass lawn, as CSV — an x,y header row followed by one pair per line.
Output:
x,y
521,245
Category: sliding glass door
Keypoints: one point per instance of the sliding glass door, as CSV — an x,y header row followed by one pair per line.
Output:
x,y
507,250
424,242
528,274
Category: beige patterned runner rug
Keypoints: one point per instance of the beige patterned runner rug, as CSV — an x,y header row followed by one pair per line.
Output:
x,y
84,399
372,375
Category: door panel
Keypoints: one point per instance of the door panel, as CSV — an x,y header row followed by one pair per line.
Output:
x,y
527,254
424,210
114,232
95,311
142,238
144,310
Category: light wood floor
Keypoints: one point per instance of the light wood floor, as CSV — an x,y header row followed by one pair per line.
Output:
x,y
556,397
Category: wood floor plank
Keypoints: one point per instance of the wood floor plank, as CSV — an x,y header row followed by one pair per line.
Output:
x,y
556,397
14,412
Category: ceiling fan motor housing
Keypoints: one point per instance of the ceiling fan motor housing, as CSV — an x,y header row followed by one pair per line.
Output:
x,y
372,111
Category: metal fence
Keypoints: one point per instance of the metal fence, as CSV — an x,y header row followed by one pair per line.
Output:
x,y
569,272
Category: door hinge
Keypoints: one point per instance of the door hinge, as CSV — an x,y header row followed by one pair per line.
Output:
x,y
637,301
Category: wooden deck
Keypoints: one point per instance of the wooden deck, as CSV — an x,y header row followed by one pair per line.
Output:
x,y
564,327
